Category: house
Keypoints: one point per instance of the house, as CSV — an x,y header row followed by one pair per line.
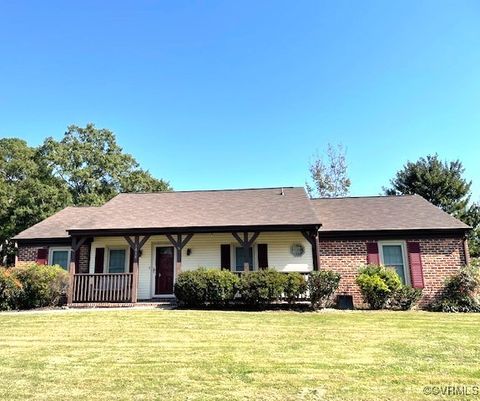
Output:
x,y
133,247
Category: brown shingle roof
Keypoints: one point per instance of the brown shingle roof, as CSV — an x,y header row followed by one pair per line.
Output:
x,y
410,212
247,207
244,207
56,226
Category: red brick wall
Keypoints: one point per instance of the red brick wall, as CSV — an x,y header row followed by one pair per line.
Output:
x,y
28,254
440,258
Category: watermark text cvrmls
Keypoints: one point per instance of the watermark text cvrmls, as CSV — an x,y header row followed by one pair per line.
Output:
x,y
452,390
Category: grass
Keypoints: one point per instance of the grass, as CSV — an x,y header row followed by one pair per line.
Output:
x,y
208,355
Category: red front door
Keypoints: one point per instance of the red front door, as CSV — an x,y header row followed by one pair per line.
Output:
x,y
164,270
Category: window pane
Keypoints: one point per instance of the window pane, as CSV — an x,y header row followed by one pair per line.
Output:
x,y
393,257
116,263
60,258
239,259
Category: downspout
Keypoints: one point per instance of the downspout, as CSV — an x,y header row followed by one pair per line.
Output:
x,y
317,247
465,250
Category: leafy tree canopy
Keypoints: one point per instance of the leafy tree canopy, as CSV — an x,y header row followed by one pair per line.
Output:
x,y
441,183
28,191
94,167
86,167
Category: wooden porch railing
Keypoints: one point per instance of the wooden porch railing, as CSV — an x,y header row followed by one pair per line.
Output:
x,y
104,287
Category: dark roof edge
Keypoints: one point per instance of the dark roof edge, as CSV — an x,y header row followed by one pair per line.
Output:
x,y
367,197
205,229
396,233
209,190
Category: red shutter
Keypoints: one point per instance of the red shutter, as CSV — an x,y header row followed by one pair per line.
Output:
x,y
373,257
99,256
130,265
225,256
262,256
42,256
415,260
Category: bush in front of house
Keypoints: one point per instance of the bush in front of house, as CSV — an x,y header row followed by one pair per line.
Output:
x,y
203,287
221,286
460,292
191,288
41,285
404,298
321,286
260,288
294,286
377,284
10,289
381,287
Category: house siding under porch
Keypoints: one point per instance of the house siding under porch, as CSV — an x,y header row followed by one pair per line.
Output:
x,y
205,252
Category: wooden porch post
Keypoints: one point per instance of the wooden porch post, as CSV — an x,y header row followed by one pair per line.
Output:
x,y
76,244
136,245
179,244
312,238
246,243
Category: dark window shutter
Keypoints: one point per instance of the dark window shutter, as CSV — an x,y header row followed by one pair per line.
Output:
x,y
99,257
42,256
77,261
225,256
415,261
262,256
373,258
130,264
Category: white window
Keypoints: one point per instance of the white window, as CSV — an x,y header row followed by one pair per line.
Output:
x,y
59,256
393,254
117,261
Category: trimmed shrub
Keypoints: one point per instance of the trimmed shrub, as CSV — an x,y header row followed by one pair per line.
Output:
x,y
221,286
405,298
42,285
321,286
191,288
294,286
10,289
262,287
205,286
460,292
377,285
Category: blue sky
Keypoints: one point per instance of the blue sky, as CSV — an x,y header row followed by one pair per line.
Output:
x,y
229,94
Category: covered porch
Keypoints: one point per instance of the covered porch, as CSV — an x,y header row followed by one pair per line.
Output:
x,y
155,258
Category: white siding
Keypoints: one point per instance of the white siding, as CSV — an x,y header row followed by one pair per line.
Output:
x,y
205,252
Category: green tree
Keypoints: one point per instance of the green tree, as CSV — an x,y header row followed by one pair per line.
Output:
x,y
443,184
472,218
328,174
86,167
94,167
440,182
28,191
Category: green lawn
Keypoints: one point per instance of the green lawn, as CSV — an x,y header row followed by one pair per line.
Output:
x,y
204,355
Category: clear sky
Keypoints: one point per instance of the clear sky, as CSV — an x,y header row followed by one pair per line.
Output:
x,y
211,94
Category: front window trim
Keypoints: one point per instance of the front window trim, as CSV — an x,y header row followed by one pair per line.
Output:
x,y
406,264
60,249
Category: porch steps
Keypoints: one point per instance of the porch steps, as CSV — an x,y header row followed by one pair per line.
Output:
x,y
162,303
